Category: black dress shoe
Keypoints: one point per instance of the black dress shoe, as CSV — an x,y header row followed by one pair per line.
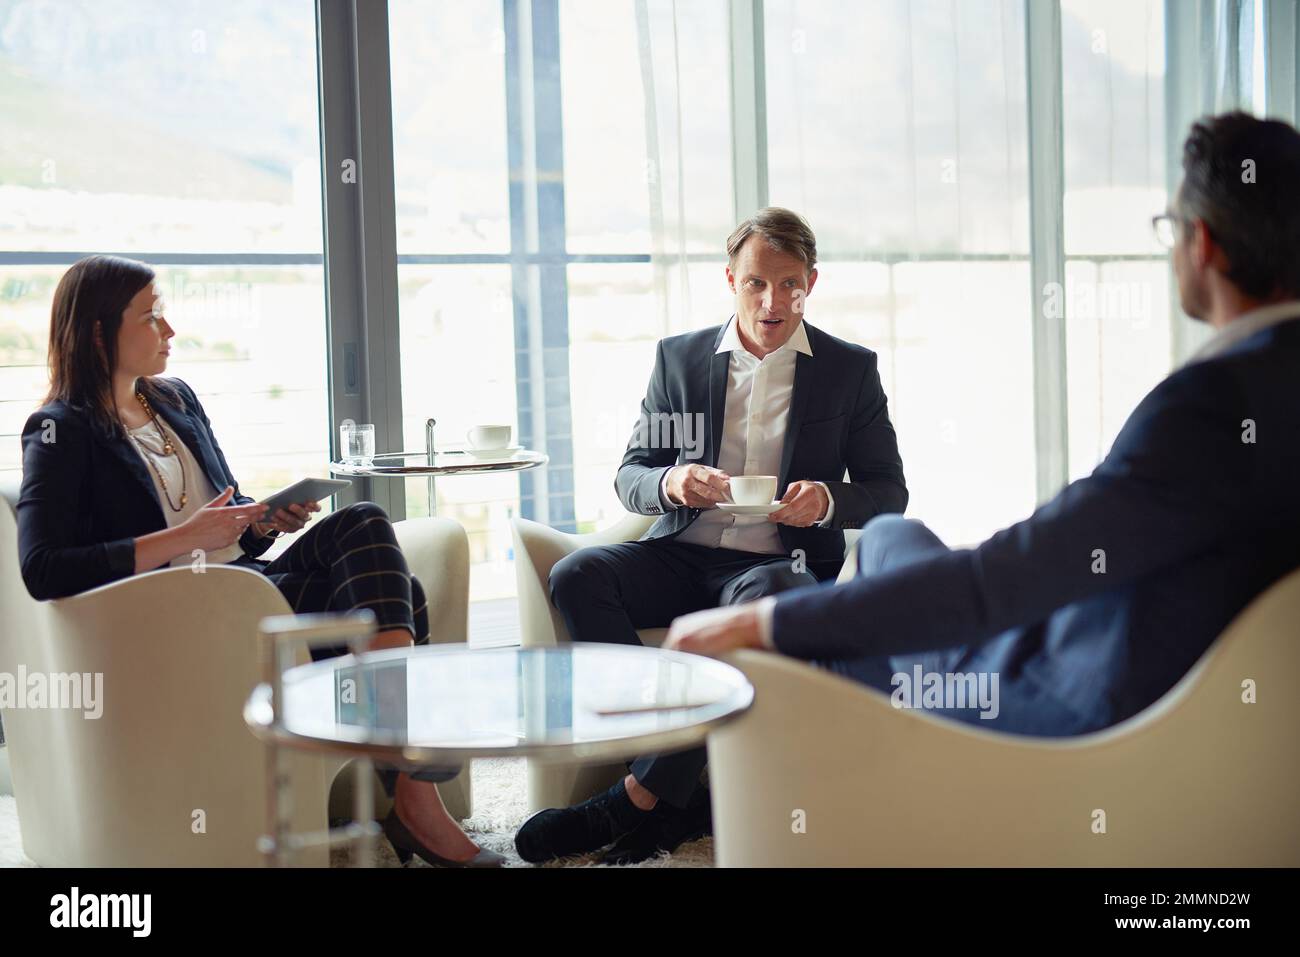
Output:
x,y
665,832
585,827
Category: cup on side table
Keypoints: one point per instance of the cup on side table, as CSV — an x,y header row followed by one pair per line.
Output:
x,y
357,443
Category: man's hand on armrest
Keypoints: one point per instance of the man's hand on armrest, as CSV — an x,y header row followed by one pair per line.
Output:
x,y
720,630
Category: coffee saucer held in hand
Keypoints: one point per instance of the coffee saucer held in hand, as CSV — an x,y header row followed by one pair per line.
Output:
x,y
750,509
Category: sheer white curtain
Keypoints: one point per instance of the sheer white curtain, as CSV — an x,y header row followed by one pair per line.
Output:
x,y
1215,65
681,54
1119,329
1137,74
899,130
659,57
1280,22
648,194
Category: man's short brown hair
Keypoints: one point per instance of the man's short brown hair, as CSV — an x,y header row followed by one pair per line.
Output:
x,y
783,230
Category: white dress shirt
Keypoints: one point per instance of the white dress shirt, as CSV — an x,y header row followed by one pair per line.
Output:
x,y
1244,326
753,433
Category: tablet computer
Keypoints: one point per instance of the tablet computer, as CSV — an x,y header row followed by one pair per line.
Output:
x,y
306,490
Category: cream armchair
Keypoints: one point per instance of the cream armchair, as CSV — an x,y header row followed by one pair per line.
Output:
x,y
1198,779
178,652
537,549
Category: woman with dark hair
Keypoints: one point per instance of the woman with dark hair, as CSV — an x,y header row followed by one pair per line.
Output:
x,y
122,474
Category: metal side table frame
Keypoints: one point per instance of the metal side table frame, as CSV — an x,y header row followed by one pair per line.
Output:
x,y
281,636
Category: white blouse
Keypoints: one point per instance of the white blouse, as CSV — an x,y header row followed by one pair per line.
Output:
x,y
199,490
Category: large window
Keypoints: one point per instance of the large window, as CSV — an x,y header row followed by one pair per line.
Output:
x,y
565,175
898,130
1115,299
544,245
451,182
184,134
647,133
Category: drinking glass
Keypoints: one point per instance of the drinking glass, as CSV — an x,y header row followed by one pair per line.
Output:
x,y
357,444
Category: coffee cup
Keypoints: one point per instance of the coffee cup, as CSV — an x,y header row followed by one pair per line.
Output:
x,y
753,489
488,437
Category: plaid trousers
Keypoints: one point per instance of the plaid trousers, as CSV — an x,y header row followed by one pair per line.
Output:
x,y
350,559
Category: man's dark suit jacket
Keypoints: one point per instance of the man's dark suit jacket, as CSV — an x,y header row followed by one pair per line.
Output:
x,y
86,496
1193,517
838,421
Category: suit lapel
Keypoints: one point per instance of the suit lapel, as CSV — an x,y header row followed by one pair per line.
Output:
x,y
184,427
803,383
719,364
718,368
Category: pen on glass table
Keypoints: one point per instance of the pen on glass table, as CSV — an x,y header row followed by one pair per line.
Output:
x,y
643,708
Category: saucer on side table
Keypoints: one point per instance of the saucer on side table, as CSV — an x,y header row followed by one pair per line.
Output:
x,y
502,453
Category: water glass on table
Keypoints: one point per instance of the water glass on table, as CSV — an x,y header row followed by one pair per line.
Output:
x,y
357,443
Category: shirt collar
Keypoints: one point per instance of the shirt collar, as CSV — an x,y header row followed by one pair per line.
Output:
x,y
798,341
1245,326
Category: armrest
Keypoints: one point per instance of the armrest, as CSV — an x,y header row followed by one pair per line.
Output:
x,y
437,552
178,652
537,549
885,786
850,567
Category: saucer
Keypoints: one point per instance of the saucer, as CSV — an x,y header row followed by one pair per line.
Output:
x,y
749,509
503,452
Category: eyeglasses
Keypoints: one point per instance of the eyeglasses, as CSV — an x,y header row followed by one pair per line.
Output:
x,y
1164,226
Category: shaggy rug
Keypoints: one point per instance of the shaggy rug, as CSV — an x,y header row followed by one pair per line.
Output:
x,y
500,806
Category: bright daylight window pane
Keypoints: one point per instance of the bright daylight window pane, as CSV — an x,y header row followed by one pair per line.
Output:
x,y
153,126
458,367
449,126
647,154
613,85
610,364
456,320
1116,296
158,126
899,131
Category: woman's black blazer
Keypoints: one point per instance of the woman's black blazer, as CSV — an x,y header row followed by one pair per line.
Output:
x,y
86,497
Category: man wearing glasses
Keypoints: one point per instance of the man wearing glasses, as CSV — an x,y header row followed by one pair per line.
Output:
x,y
1095,605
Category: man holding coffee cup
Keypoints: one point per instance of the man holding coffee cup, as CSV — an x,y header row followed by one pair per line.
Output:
x,y
784,409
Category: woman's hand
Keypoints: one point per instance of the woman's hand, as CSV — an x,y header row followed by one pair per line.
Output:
x,y
217,525
291,519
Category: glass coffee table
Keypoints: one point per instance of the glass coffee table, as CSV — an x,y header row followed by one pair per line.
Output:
x,y
439,706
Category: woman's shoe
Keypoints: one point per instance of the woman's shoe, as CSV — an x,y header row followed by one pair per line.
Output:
x,y
405,844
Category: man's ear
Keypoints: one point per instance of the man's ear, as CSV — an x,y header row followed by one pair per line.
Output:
x,y
812,281
1203,247
731,279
